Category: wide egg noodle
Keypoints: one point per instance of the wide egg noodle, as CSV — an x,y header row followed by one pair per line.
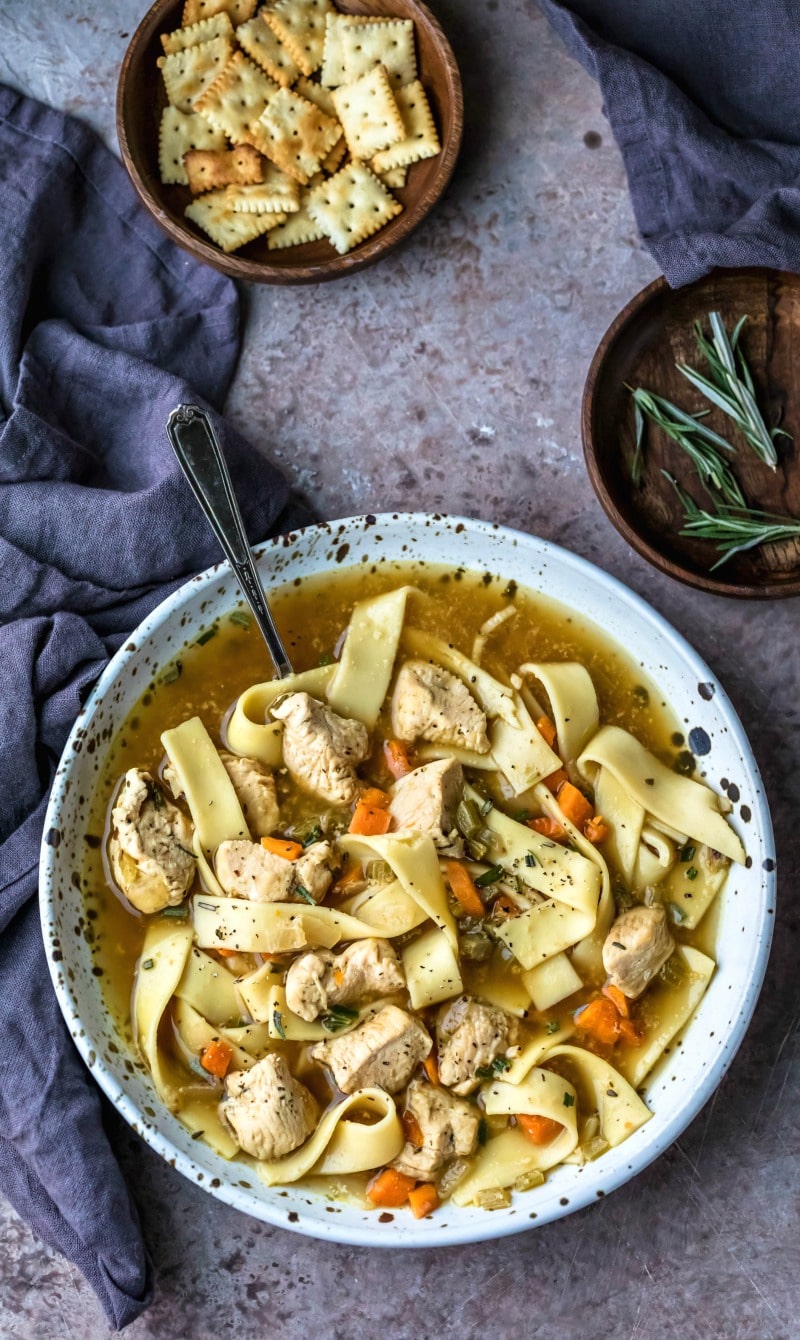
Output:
x,y
271,928
655,857
341,1144
200,1116
573,703
571,885
249,733
468,758
667,1013
431,968
625,818
284,1023
213,803
588,953
540,1042
166,949
692,894
680,802
520,751
507,1156
552,981
414,860
619,1107
388,909
196,1033
209,987
361,679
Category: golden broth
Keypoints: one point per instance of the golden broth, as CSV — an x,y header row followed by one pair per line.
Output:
x,y
312,614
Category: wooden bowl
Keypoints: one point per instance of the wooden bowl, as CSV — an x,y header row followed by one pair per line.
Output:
x,y
640,348
141,99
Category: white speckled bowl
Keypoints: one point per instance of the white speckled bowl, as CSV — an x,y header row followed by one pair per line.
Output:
x,y
682,1084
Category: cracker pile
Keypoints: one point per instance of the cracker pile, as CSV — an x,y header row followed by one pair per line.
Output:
x,y
296,121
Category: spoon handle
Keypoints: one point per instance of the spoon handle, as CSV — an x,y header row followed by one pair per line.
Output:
x,y
200,456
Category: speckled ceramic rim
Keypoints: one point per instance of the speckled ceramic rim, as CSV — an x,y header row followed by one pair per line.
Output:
x,y
682,1084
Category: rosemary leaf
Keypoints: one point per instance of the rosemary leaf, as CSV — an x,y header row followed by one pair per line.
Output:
x,y
733,530
731,386
698,442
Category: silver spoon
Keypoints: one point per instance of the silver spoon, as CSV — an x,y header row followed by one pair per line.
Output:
x,y
200,457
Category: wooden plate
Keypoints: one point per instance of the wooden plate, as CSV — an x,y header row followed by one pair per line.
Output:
x,y
141,99
641,348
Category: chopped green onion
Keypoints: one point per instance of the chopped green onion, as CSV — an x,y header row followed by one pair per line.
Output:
x,y
205,637
688,852
485,808
522,816
490,876
172,672
691,873
301,891
498,1066
553,1026
530,859
177,913
569,1100
207,907
241,617
277,1022
677,913
148,963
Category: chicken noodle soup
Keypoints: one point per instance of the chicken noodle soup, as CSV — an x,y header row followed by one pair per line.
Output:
x,y
419,920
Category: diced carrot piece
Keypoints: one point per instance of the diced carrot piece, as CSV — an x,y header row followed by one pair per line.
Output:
x,y
556,780
216,1057
390,1188
547,730
423,1200
411,1129
352,874
618,999
282,847
574,805
630,1032
338,976
596,830
541,1130
431,1068
505,907
600,1020
548,828
369,820
397,758
464,889
374,797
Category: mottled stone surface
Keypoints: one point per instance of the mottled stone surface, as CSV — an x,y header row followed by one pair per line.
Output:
x,y
450,377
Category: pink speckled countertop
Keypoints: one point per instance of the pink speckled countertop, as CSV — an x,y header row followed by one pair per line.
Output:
x,y
455,370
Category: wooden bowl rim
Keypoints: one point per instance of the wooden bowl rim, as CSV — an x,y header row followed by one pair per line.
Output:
x,y
365,253
628,314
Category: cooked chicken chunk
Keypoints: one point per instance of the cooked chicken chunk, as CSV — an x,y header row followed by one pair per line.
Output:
x,y
427,799
320,749
448,1126
430,703
269,1112
470,1036
635,948
150,848
248,870
383,1051
365,969
255,786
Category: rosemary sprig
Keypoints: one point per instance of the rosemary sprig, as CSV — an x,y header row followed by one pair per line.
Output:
x,y
730,385
732,529
701,444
